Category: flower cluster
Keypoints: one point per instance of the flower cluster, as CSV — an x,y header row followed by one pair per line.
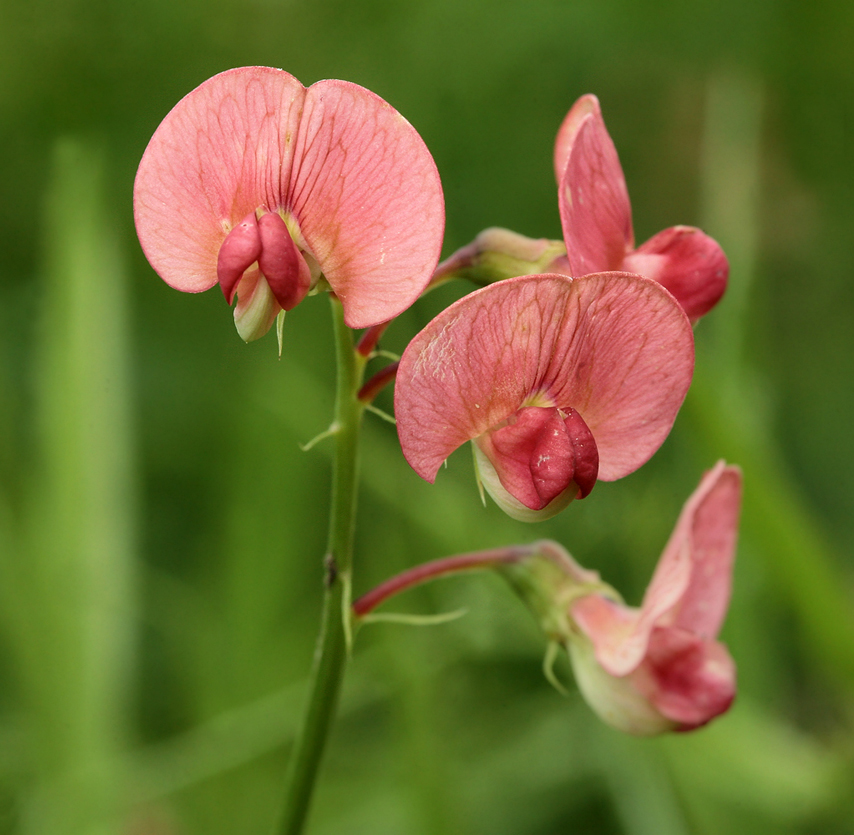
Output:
x,y
569,366
575,372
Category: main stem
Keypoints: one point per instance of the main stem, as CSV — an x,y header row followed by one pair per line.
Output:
x,y
331,654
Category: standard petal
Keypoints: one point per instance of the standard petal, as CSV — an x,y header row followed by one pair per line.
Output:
x,y
615,347
568,130
595,212
713,512
692,581
368,200
223,151
623,360
689,263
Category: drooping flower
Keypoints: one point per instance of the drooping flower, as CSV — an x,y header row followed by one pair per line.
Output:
x,y
558,382
597,219
660,667
266,187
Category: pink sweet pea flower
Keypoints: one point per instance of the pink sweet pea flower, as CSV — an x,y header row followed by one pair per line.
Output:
x,y
660,667
264,186
597,219
558,382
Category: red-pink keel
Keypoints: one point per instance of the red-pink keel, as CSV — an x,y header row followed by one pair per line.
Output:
x,y
239,251
281,263
540,452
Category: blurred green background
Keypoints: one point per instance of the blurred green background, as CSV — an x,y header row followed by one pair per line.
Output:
x,y
161,531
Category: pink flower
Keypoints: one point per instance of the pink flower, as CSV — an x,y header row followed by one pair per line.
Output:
x,y
660,667
597,219
558,382
254,182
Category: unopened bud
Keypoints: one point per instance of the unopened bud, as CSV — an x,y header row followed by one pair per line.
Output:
x,y
496,254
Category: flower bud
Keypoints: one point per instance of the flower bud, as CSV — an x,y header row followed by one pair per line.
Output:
x,y
496,254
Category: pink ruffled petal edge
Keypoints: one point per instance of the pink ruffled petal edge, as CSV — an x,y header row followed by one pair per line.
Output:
x,y
585,106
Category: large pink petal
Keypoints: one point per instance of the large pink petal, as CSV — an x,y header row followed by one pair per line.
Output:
x,y
615,347
367,196
224,150
689,263
594,203
624,361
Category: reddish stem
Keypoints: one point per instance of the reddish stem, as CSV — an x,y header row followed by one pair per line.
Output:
x,y
439,568
448,269
454,265
370,338
377,383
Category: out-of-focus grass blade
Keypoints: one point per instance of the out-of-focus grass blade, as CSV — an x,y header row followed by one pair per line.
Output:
x,y
730,187
68,591
726,404
801,562
756,764
641,788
